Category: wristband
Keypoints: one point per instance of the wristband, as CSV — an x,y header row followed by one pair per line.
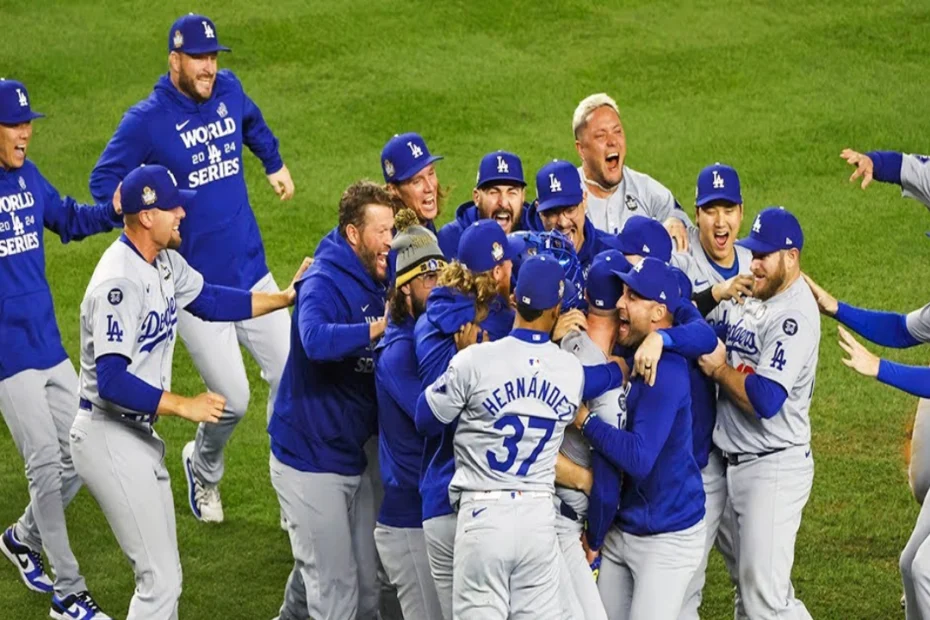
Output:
x,y
590,417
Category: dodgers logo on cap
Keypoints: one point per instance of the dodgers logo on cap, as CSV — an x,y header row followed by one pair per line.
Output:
x,y
403,156
14,103
558,185
500,167
774,229
152,187
718,183
194,34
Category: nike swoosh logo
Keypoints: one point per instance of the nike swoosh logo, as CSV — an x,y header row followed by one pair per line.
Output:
x,y
25,563
807,454
700,283
182,125
78,614
365,307
475,513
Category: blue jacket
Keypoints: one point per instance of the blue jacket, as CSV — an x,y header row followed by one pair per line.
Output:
x,y
29,336
400,446
201,144
595,241
326,407
446,311
662,488
465,215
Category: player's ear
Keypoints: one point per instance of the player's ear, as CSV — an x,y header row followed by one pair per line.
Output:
x,y
579,150
174,62
474,196
353,235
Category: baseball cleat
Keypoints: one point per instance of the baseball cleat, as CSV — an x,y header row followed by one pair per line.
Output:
x,y
28,562
204,499
80,606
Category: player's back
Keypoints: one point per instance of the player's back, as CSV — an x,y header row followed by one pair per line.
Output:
x,y
523,394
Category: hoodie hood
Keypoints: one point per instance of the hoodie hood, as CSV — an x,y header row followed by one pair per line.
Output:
x,y
449,309
336,259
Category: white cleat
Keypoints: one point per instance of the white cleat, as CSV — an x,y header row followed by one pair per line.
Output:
x,y
204,500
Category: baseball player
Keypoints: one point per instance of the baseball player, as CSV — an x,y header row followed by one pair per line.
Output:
x,y
765,373
890,329
617,192
499,195
656,544
512,399
128,318
399,530
38,385
326,411
718,270
196,123
561,204
410,174
642,237
470,301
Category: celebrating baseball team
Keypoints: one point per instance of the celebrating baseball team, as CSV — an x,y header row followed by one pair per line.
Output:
x,y
544,409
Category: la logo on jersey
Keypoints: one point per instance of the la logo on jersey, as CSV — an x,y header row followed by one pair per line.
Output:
x,y
502,165
415,150
18,227
208,31
554,184
718,181
23,102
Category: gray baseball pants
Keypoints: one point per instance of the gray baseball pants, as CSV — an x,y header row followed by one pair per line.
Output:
x,y
214,348
38,407
123,465
331,521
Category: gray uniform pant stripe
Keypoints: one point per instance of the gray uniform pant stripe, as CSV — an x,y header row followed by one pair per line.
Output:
x,y
646,576
123,466
403,554
440,546
214,348
38,407
330,521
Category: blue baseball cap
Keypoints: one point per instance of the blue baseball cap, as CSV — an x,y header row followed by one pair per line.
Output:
x,y
644,236
484,245
685,288
152,187
774,229
500,166
718,182
558,184
541,283
602,286
653,279
14,103
194,34
403,156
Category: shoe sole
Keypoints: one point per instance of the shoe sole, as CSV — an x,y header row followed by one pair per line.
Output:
x,y
22,576
188,463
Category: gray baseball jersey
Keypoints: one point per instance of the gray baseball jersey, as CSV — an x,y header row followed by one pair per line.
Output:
x,y
918,323
637,194
778,339
700,270
610,407
130,308
515,399
915,178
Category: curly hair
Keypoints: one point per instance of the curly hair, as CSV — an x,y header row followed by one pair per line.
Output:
x,y
482,286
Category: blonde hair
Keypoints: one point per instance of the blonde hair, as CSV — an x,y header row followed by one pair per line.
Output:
x,y
481,286
587,107
405,218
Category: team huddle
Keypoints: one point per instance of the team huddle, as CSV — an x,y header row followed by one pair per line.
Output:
x,y
552,408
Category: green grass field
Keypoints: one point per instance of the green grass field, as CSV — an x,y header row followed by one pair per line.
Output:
x,y
776,89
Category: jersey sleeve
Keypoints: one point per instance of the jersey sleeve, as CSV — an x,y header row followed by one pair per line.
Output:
x,y
918,323
258,136
73,221
787,343
663,204
448,396
116,315
915,178
129,147
187,281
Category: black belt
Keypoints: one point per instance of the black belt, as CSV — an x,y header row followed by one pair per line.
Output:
x,y
744,457
568,512
149,418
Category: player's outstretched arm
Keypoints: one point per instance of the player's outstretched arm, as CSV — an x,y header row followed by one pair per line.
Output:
x,y
73,221
888,329
571,475
914,380
263,303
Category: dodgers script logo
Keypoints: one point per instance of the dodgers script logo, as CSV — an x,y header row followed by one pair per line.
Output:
x,y
157,328
742,339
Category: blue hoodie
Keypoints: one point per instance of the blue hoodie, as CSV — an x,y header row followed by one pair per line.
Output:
x,y
201,144
29,336
662,488
446,311
465,215
326,408
400,446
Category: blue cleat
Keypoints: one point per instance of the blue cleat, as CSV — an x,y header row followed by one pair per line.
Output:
x,y
80,606
28,562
